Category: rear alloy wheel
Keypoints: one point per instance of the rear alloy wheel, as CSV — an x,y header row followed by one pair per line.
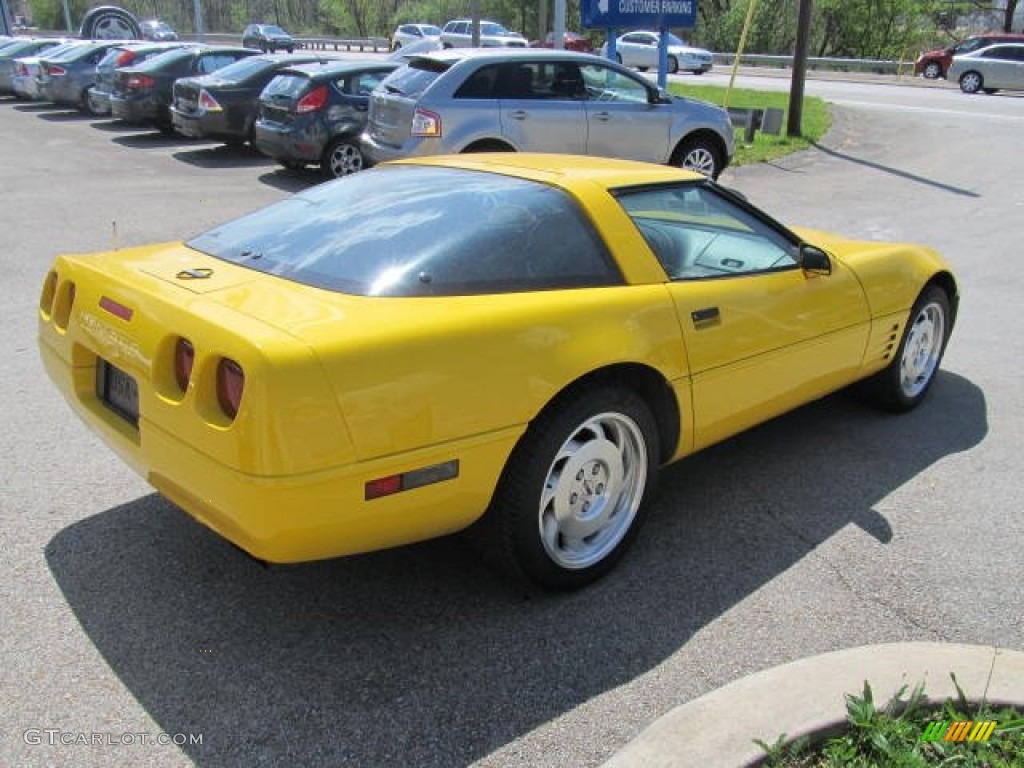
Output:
x,y
571,498
341,158
971,82
906,380
932,70
699,154
673,65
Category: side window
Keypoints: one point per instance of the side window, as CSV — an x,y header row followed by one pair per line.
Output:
x,y
606,84
633,38
558,80
214,61
1000,52
362,84
515,81
462,28
695,233
482,84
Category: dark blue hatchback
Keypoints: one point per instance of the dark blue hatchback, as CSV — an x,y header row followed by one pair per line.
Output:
x,y
313,114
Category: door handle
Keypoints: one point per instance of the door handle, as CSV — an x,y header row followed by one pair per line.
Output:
x,y
517,114
604,117
702,318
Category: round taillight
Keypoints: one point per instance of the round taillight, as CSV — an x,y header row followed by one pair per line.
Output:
x,y
184,358
230,383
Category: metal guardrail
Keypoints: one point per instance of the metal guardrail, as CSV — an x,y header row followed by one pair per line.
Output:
x,y
869,66
349,44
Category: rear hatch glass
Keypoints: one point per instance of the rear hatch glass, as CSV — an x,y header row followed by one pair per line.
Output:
x,y
277,102
393,101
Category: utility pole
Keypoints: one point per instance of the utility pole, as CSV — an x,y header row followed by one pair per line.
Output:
x,y
474,12
796,88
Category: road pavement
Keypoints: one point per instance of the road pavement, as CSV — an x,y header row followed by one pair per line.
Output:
x,y
831,527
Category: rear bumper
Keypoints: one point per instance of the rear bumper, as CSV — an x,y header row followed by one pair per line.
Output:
x,y
99,101
376,152
206,125
295,518
145,109
287,143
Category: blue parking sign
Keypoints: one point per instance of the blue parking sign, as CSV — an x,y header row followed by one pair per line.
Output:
x,y
627,14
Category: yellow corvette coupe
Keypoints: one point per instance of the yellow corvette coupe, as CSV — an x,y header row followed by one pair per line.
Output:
x,y
513,341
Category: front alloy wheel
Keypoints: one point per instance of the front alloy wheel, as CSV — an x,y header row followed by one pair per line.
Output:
x,y
699,155
904,382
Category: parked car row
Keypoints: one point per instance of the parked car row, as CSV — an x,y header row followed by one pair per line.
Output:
x,y
342,114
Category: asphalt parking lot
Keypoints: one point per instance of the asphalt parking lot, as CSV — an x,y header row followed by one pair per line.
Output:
x,y
830,527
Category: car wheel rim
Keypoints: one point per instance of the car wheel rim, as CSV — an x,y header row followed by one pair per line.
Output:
x,y
700,159
971,82
922,351
112,28
346,159
592,490
931,71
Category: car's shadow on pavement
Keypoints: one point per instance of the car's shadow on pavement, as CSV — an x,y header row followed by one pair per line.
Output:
x,y
113,125
65,115
224,156
292,180
153,138
419,656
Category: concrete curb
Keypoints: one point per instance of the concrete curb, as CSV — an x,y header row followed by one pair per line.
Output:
x,y
806,697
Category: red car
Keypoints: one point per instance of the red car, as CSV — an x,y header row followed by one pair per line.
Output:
x,y
933,64
573,42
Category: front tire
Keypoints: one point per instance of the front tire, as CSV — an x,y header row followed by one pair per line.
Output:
x,y
571,498
971,82
903,384
700,154
673,65
342,158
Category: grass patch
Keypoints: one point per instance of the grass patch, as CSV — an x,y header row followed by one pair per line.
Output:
x,y
816,120
891,736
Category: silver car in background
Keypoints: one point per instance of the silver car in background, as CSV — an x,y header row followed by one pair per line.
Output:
x,y
539,100
990,69
459,34
640,49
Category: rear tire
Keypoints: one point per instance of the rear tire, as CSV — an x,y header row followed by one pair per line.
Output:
x,y
571,498
673,65
342,157
903,384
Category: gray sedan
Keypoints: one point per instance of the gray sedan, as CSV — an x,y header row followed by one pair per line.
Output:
x,y
538,100
990,69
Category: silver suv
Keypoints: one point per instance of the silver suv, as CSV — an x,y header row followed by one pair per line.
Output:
x,y
539,100
459,34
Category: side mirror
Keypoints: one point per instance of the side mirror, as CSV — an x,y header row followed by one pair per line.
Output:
x,y
814,260
660,96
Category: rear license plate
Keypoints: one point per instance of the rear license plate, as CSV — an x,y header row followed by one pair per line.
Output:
x,y
118,391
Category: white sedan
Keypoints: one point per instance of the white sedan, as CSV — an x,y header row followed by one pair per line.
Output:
x,y
640,49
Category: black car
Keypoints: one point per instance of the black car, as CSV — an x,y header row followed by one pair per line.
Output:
x,y
314,113
224,105
268,38
126,55
142,94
